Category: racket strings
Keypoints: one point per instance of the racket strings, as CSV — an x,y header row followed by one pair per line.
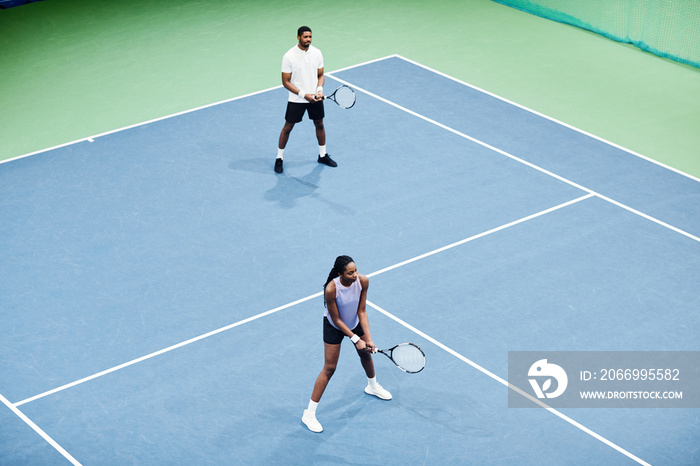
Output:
x,y
408,357
344,96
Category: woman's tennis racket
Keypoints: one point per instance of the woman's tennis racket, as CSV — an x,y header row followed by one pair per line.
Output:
x,y
344,96
407,356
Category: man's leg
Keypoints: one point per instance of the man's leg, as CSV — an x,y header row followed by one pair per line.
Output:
x,y
284,137
321,137
320,132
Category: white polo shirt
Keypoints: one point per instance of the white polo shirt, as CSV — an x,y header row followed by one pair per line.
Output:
x,y
304,66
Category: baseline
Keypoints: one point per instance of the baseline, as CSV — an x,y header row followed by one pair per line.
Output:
x,y
165,117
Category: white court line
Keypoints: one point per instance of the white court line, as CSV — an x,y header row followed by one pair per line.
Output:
x,y
165,117
535,112
512,387
481,235
294,303
91,138
136,125
519,160
39,431
168,349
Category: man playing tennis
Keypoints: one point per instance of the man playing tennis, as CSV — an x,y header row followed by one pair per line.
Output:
x,y
345,297
302,76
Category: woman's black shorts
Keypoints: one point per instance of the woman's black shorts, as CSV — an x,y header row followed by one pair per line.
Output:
x,y
333,336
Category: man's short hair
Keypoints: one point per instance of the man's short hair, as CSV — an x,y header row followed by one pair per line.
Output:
x,y
302,30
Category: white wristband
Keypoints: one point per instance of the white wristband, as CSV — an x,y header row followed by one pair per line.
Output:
x,y
354,338
301,94
319,89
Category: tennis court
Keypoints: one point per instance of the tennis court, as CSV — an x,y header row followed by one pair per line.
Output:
x,y
165,283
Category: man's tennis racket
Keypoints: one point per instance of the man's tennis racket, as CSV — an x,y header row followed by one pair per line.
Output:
x,y
407,356
344,96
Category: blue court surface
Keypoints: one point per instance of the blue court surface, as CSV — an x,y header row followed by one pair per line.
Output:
x,y
161,285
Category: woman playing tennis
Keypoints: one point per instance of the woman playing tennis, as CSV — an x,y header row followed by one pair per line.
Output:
x,y
345,298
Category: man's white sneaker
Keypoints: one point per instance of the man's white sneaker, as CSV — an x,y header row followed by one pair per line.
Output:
x,y
378,391
311,422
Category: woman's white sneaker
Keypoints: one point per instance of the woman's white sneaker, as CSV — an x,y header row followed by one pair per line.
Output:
x,y
378,391
311,422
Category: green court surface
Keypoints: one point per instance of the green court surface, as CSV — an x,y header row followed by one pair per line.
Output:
x,y
71,69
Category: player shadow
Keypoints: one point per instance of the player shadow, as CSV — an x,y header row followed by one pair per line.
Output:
x,y
289,189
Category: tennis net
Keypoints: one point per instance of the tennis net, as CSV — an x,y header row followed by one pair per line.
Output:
x,y
668,28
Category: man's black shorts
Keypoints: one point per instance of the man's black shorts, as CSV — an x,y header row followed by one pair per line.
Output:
x,y
296,110
333,336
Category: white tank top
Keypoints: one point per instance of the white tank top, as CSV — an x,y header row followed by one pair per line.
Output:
x,y
347,298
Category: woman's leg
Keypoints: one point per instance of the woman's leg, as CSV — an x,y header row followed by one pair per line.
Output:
x,y
366,360
331,355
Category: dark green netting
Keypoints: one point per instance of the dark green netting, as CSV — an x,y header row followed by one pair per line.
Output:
x,y
668,28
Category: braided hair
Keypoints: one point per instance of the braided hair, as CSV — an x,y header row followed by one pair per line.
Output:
x,y
338,268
